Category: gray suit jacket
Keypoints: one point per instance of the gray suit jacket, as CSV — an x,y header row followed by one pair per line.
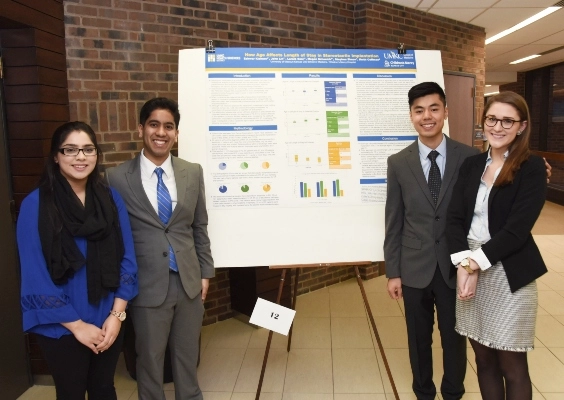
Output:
x,y
187,230
415,240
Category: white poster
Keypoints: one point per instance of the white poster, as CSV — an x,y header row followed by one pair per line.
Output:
x,y
294,144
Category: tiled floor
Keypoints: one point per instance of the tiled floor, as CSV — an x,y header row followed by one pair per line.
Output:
x,y
334,354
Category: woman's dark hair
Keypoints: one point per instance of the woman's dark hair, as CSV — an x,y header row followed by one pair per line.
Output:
x,y
519,149
59,136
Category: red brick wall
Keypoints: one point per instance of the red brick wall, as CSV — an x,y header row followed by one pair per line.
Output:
x,y
123,52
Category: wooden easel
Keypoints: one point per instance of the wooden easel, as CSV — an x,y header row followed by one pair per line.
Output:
x,y
284,269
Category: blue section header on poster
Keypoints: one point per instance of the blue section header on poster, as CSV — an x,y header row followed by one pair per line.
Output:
x,y
383,76
385,138
216,128
248,58
218,75
373,181
344,76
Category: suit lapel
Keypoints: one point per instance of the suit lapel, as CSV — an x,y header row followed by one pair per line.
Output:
x,y
493,192
133,177
452,157
181,178
414,164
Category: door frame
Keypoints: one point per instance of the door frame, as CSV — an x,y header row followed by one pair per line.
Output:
x,y
15,371
474,123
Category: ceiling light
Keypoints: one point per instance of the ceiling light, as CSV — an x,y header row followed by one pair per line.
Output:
x,y
523,24
525,59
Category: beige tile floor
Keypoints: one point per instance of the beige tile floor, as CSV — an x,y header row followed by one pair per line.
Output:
x,y
334,354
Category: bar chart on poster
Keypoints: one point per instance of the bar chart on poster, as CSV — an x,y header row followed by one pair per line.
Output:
x,y
294,146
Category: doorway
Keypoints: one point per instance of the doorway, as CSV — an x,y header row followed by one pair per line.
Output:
x,y
15,377
460,92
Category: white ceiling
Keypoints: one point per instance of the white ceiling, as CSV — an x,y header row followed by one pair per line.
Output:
x,y
498,15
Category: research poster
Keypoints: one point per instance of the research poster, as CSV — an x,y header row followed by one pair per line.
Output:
x,y
294,145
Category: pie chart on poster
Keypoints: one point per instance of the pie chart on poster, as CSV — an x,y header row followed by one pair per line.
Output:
x,y
245,188
222,166
244,165
266,188
266,165
223,188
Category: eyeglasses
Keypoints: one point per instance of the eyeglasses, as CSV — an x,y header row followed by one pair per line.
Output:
x,y
73,151
506,123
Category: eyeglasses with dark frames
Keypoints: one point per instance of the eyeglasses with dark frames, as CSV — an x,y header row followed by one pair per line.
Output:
x,y
73,151
506,123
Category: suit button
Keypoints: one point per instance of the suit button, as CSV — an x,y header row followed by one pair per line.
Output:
x,y
437,218
165,254
437,242
166,230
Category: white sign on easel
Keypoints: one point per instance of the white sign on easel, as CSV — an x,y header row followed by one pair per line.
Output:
x,y
272,316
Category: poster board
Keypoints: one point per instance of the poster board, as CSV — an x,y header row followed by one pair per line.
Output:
x,y
294,146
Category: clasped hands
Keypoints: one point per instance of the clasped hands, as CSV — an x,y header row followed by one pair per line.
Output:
x,y
96,339
465,282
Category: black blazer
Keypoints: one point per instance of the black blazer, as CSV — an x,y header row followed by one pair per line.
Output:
x,y
512,211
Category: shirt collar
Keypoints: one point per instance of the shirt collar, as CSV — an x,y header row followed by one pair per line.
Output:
x,y
489,159
148,167
424,150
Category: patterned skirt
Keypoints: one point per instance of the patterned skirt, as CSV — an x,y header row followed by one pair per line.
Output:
x,y
495,317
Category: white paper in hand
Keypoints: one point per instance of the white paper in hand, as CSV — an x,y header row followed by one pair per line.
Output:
x,y
272,316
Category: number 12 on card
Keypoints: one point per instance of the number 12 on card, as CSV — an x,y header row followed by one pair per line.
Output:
x,y
272,316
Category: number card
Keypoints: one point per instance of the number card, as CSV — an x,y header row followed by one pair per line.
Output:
x,y
272,316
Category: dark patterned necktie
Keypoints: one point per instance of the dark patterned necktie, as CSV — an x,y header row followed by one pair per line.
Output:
x,y
165,211
434,180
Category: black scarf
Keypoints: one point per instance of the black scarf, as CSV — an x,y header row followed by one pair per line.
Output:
x,y
63,217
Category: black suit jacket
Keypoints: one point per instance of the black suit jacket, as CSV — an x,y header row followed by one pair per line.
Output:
x,y
512,212
415,241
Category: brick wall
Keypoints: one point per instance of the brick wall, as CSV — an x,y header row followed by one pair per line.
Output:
x,y
123,52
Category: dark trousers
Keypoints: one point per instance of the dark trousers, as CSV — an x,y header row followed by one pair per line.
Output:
x,y
77,370
419,315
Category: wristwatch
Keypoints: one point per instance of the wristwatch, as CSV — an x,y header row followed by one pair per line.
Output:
x,y
466,265
119,315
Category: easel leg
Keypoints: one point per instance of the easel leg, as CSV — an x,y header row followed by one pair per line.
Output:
x,y
359,280
294,295
280,288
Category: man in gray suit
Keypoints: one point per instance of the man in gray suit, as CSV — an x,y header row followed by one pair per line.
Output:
x,y
165,199
420,182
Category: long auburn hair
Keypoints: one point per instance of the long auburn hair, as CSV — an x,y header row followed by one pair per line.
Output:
x,y
519,149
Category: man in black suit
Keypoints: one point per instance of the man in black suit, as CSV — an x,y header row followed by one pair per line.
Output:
x,y
420,182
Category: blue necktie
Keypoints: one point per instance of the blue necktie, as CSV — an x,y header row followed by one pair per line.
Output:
x,y
165,211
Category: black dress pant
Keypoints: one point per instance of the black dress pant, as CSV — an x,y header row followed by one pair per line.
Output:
x,y
77,370
419,315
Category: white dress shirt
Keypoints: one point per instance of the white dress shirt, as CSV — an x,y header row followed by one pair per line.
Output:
x,y
426,163
479,228
149,179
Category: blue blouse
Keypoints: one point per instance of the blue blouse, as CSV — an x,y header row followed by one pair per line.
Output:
x,y
46,305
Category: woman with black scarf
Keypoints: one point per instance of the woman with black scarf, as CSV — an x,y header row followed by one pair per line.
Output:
x,y
78,266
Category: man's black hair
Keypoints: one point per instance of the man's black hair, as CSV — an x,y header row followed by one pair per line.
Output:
x,y
159,103
424,89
